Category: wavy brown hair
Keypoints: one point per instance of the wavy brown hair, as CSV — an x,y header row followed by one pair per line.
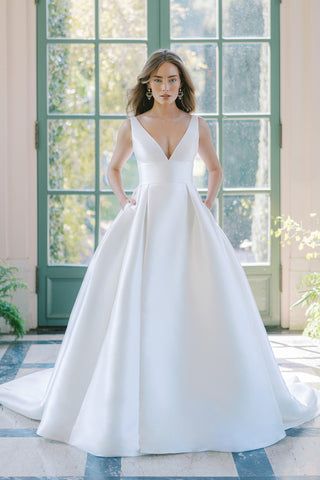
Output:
x,y
137,100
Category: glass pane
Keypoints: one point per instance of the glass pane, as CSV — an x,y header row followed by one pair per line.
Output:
x,y
108,136
200,172
201,61
119,64
120,19
71,154
70,19
71,229
246,78
246,18
109,209
246,153
191,19
246,222
71,78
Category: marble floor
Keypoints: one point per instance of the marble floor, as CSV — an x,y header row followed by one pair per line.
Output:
x,y
23,454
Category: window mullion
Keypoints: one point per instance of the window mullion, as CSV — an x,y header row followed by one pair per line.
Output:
x,y
220,113
97,128
153,26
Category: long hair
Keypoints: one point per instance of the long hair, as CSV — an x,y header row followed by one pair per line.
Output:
x,y
137,100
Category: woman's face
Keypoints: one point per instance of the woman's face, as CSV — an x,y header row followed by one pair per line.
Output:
x,y
165,83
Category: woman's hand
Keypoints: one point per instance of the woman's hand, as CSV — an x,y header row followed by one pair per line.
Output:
x,y
207,203
126,200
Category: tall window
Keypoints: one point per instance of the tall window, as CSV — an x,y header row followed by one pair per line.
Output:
x,y
89,53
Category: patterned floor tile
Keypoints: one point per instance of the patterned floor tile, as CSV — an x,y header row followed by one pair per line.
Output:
x,y
295,456
11,419
195,464
46,353
35,456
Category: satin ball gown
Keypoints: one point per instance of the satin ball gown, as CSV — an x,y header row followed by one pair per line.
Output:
x,y
165,350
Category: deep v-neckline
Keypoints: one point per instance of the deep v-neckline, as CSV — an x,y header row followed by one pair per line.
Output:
x,y
159,146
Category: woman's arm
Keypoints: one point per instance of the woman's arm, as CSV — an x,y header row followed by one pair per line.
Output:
x,y
121,154
209,156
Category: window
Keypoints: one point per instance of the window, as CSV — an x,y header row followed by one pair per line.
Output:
x,y
89,52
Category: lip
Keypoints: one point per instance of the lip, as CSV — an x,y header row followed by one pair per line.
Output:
x,y
165,96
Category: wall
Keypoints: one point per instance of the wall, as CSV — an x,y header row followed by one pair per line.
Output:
x,y
18,161
300,168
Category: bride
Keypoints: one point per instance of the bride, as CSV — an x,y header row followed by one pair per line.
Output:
x,y
165,350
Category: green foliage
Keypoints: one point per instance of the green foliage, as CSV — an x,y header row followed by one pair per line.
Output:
x,y
289,230
8,285
12,316
311,299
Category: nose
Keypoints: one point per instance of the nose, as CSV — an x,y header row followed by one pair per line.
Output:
x,y
164,86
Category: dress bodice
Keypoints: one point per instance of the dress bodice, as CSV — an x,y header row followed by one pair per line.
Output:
x,y
153,164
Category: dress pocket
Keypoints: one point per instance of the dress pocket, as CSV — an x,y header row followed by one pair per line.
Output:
x,y
129,205
126,206
207,208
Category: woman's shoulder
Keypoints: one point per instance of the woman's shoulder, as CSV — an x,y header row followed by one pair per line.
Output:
x,y
124,130
202,121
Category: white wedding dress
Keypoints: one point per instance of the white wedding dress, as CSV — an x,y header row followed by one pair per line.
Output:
x,y
165,350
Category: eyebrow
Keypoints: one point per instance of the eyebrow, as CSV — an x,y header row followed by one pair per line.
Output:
x,y
159,76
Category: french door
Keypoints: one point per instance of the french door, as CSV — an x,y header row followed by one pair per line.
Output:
x,y
89,54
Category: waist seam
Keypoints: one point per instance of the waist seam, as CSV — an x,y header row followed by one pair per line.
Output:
x,y
189,182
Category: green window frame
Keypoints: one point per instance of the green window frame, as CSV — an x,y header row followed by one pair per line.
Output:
x,y
58,284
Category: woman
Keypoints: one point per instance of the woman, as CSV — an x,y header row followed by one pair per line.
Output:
x,y
162,112
165,350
